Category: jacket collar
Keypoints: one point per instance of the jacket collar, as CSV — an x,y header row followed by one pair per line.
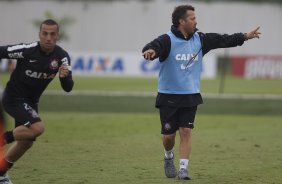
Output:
x,y
178,34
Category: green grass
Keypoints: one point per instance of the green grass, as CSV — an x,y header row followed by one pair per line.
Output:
x,y
231,85
125,148
92,104
116,140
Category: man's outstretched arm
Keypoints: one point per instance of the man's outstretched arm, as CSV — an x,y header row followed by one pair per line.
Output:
x,y
212,41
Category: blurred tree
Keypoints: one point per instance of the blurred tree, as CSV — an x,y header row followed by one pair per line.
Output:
x,y
63,22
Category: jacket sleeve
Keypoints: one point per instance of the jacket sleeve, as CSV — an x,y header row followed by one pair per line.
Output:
x,y
67,82
212,41
161,45
3,52
18,51
8,52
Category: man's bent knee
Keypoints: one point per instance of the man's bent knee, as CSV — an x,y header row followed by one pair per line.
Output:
x,y
37,128
30,133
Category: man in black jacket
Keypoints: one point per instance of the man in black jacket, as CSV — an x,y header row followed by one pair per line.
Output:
x,y
37,65
180,53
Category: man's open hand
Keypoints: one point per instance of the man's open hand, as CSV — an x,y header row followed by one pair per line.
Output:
x,y
253,34
149,54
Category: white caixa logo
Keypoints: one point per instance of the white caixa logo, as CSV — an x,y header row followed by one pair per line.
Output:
x,y
39,75
186,57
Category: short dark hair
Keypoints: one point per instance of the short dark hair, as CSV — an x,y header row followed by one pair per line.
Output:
x,y
49,22
179,13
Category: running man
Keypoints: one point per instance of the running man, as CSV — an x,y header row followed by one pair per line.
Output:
x,y
37,65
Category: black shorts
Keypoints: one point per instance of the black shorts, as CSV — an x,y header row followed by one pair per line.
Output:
x,y
22,110
173,118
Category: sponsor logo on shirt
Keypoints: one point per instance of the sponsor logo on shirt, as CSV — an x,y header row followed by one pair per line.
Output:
x,y
39,75
16,55
189,58
66,63
186,57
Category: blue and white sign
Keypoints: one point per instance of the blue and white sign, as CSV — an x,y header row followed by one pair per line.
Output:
x,y
124,64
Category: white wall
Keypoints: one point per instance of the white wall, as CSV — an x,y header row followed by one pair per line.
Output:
x,y
129,25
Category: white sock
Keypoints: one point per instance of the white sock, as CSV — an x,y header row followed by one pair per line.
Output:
x,y
183,163
168,154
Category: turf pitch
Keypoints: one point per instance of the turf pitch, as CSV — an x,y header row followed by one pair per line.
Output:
x,y
109,140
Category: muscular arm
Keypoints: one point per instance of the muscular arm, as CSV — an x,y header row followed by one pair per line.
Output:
x,y
161,46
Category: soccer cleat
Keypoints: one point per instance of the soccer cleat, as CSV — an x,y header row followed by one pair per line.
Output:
x,y
5,180
169,168
183,174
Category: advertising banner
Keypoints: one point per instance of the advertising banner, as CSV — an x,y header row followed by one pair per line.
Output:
x,y
255,67
125,64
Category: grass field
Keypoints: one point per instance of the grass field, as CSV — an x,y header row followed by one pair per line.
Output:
x,y
231,85
125,148
99,139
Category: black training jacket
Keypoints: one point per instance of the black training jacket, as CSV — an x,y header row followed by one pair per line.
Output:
x,y
34,70
209,41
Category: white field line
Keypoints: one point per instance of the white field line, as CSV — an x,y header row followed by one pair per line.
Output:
x,y
153,94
